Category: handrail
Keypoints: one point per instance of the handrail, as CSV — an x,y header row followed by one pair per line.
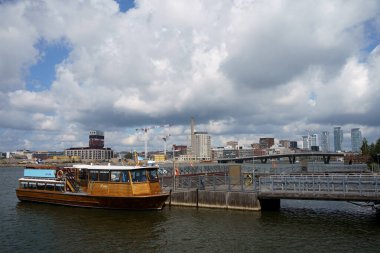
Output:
x,y
359,184
355,185
71,182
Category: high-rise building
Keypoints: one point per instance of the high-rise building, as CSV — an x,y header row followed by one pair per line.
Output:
x,y
314,144
232,144
356,139
285,143
324,141
293,145
266,142
338,139
200,144
96,139
190,150
314,140
305,142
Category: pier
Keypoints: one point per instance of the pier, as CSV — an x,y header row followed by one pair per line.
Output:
x,y
243,187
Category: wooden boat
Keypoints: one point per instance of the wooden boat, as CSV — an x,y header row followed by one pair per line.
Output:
x,y
98,186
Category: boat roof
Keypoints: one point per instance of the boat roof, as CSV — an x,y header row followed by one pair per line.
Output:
x,y
38,180
110,167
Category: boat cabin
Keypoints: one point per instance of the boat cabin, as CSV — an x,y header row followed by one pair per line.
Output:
x,y
118,180
99,180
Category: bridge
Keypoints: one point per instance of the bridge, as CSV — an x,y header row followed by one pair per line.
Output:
x,y
348,183
357,187
346,187
326,156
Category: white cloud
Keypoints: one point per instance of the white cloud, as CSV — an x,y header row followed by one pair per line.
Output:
x,y
32,101
241,68
17,52
131,140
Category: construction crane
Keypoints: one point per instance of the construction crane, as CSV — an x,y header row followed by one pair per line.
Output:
x,y
165,138
145,130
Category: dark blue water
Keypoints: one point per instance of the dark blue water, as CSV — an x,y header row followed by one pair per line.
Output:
x,y
300,226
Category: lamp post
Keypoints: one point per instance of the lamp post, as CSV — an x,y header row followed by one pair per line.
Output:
x,y
253,171
378,162
173,148
174,169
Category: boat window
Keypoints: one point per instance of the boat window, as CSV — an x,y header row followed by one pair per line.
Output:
x,y
83,174
138,175
94,175
125,176
152,175
104,175
115,176
49,186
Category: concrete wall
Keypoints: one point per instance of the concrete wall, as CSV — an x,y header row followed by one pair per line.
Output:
x,y
216,199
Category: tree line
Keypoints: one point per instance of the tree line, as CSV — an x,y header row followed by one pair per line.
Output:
x,y
372,150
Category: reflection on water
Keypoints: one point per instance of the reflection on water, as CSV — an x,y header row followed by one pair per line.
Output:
x,y
71,226
300,226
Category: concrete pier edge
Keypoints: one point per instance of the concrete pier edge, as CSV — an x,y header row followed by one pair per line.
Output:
x,y
215,199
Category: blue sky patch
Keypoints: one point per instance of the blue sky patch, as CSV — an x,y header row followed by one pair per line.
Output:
x,y
125,5
372,35
42,74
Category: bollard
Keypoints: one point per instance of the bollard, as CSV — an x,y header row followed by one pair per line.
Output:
x,y
197,194
170,198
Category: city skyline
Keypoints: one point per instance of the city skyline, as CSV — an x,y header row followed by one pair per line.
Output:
x,y
69,67
321,140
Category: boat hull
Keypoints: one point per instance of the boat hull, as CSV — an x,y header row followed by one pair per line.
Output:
x,y
149,202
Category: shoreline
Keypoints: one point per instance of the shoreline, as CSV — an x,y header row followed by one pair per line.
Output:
x,y
14,165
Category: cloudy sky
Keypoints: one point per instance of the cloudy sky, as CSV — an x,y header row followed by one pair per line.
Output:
x,y
243,69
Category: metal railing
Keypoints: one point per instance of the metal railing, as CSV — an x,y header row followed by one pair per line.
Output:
x,y
283,168
210,182
359,184
167,169
310,168
287,181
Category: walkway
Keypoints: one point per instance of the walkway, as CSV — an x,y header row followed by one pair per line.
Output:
x,y
358,187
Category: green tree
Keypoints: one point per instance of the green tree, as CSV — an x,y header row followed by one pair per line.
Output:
x,y
376,151
365,147
377,146
129,155
372,149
